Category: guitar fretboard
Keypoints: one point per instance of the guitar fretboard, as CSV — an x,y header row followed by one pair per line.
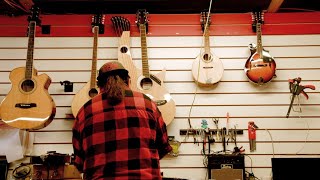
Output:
x,y
29,62
259,40
144,52
207,40
94,57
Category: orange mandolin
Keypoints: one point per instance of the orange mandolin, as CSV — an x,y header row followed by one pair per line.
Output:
x,y
28,105
260,67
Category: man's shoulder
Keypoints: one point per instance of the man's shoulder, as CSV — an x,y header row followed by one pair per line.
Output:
x,y
88,105
132,93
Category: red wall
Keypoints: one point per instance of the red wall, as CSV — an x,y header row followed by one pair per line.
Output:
x,y
170,24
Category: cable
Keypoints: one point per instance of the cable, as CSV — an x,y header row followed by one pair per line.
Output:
x,y
15,5
298,9
272,148
195,93
21,171
307,136
271,142
306,122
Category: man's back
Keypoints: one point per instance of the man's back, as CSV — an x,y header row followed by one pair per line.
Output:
x,y
122,141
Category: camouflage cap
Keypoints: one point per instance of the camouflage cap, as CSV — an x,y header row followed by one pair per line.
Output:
x,y
111,66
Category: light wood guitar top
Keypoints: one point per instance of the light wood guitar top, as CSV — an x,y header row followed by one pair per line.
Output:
x,y
157,93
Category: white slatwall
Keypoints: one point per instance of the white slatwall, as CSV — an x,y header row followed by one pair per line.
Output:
x,y
296,55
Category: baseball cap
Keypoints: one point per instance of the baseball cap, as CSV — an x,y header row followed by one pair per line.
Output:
x,y
111,66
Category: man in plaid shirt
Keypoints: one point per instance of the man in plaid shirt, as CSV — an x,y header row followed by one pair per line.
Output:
x,y
120,133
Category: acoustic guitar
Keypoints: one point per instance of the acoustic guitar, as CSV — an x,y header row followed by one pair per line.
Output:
x,y
207,68
28,104
149,84
260,67
90,89
121,27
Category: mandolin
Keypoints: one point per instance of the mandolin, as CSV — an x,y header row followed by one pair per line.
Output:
x,y
90,89
207,68
145,82
260,67
28,104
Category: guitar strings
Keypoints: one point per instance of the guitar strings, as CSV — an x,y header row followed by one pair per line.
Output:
x,y
202,43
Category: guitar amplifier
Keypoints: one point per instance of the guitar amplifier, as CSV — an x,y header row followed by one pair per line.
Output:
x,y
226,167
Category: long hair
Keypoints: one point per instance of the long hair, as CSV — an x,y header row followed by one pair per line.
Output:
x,y
114,85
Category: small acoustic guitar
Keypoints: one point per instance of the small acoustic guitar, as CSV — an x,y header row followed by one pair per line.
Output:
x,y
207,68
142,80
28,104
121,27
90,89
149,84
260,67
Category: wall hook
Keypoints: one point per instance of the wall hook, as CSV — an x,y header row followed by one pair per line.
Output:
x,y
68,86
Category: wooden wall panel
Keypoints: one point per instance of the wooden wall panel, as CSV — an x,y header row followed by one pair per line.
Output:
x,y
170,24
297,53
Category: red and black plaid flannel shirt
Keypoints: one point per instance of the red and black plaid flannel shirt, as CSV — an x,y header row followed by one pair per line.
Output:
x,y
124,141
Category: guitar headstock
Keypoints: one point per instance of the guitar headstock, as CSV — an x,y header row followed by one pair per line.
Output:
x,y
257,16
98,20
34,15
205,18
120,24
142,18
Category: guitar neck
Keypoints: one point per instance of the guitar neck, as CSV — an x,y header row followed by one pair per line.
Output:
x,y
144,52
94,57
259,39
207,40
29,62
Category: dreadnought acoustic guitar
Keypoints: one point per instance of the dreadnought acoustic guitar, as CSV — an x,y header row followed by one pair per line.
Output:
x,y
207,68
90,89
28,104
260,67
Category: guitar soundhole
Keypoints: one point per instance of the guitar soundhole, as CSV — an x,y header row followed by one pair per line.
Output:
x,y
146,83
206,57
27,85
93,92
123,49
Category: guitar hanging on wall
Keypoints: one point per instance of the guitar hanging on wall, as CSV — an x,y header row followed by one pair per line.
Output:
x,y
260,67
90,89
28,104
121,26
149,84
207,68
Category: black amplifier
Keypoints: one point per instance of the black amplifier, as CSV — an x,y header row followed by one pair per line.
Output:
x,y
226,167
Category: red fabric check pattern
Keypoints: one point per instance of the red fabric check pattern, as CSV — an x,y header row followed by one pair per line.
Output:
x,y
124,141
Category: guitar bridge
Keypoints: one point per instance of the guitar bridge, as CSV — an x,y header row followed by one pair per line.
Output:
x,y
26,105
160,102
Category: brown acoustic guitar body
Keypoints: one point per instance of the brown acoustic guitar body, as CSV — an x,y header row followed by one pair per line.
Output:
x,y
28,104
260,70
